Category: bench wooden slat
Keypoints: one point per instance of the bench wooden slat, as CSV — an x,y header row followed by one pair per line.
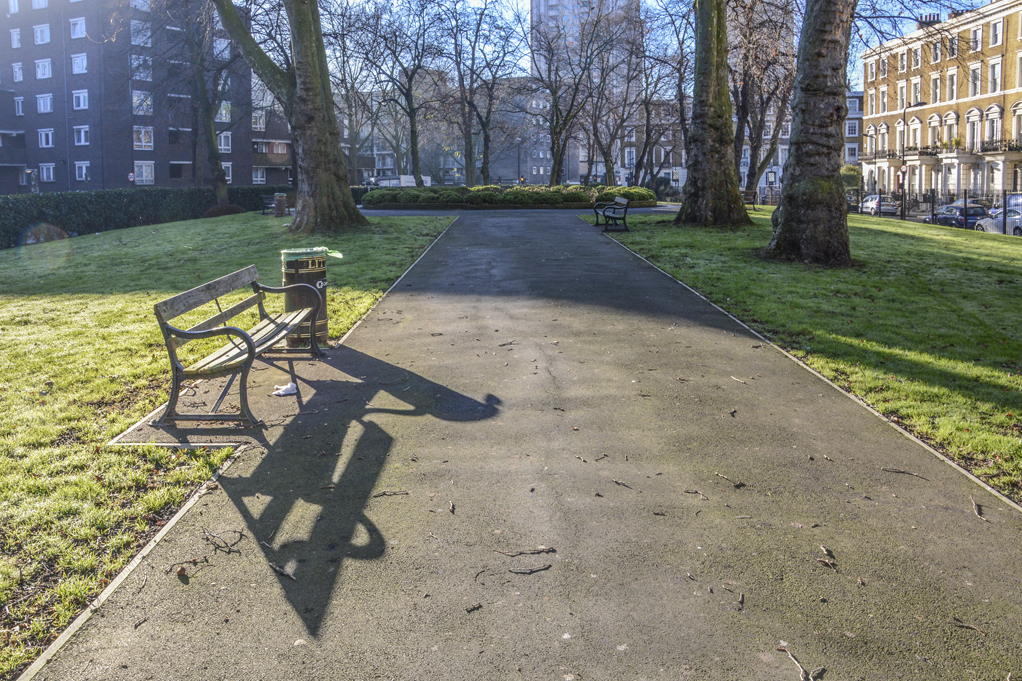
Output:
x,y
200,295
221,317
265,334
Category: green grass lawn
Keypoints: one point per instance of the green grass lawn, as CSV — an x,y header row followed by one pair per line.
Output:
x,y
83,360
927,329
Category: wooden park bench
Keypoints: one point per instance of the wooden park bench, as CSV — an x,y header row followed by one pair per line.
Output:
x,y
269,203
237,356
749,197
612,212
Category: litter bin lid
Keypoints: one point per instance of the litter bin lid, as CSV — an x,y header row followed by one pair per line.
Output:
x,y
300,253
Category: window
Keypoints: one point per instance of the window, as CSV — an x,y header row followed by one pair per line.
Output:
x,y
974,86
994,71
145,172
259,120
259,147
767,130
15,38
223,142
952,47
917,57
996,32
81,170
19,106
883,101
629,157
143,138
222,48
851,128
259,176
141,67
46,138
39,4
278,148
41,34
852,154
952,87
177,170
43,69
224,114
12,6
228,172
871,71
872,103
141,103
883,67
46,172
903,61
23,178
78,28
976,39
79,63
141,33
174,136
935,52
142,5
534,170
81,135
852,104
917,92
630,135
935,89
44,103
901,96
80,99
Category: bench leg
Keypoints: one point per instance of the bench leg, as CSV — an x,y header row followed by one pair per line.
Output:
x,y
243,394
171,410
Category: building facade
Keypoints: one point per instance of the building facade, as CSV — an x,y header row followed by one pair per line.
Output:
x,y
93,96
944,105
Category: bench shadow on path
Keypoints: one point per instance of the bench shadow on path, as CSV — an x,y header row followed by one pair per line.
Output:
x,y
305,501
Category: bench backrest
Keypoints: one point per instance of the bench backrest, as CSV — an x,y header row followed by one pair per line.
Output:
x,y
621,201
200,295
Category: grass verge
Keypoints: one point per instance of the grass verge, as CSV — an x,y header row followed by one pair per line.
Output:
x,y
83,360
925,329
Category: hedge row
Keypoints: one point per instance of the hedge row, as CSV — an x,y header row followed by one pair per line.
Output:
x,y
495,195
36,217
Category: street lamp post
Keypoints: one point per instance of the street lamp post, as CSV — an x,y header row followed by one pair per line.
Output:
x,y
904,143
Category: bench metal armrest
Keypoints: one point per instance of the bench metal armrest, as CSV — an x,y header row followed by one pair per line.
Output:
x,y
602,205
219,331
284,289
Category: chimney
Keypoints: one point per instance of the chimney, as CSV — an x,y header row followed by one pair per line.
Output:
x,y
928,20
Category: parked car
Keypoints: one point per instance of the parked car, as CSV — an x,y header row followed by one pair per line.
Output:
x,y
958,216
996,224
873,205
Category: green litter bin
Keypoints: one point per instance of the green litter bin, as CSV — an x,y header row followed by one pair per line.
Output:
x,y
305,266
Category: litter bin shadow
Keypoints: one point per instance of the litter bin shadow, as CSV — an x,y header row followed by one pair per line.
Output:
x,y
305,501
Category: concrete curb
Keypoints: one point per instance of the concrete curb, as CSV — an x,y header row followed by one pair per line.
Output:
x,y
826,380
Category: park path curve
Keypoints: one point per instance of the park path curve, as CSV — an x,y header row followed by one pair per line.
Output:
x,y
541,458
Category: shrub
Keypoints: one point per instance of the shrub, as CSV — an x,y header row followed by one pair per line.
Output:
x,y
517,197
630,193
429,197
450,196
576,197
549,198
374,198
482,198
409,196
217,211
357,192
492,188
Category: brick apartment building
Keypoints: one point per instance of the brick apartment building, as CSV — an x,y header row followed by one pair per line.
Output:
x,y
88,101
945,103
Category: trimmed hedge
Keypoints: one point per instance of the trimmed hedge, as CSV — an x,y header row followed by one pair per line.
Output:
x,y
58,214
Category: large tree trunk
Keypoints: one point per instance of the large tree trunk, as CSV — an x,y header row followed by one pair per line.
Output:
x,y
467,142
413,136
710,195
324,193
485,164
810,223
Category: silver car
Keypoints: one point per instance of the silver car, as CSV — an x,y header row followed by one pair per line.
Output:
x,y
873,205
996,224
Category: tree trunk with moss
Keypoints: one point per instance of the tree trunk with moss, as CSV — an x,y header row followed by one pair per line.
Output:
x,y
324,202
710,195
810,223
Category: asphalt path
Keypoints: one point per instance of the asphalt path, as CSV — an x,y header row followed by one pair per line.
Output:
x,y
539,457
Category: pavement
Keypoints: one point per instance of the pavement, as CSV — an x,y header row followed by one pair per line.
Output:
x,y
539,457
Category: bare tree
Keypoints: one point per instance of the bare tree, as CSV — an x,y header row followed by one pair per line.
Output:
x,y
562,57
299,78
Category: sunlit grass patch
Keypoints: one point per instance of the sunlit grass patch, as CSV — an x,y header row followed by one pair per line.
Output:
x,y
925,327
84,360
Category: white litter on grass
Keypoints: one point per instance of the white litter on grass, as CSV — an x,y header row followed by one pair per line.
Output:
x,y
282,390
566,636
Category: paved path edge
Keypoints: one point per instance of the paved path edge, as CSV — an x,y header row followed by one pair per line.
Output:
x,y
935,452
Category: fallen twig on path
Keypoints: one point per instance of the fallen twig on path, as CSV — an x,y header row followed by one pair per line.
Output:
x,y
829,563
975,509
474,607
389,493
736,485
804,674
618,482
962,625
532,552
277,568
529,571
740,381
695,491
898,470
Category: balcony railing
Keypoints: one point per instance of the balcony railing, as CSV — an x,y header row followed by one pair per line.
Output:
x,y
1000,145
